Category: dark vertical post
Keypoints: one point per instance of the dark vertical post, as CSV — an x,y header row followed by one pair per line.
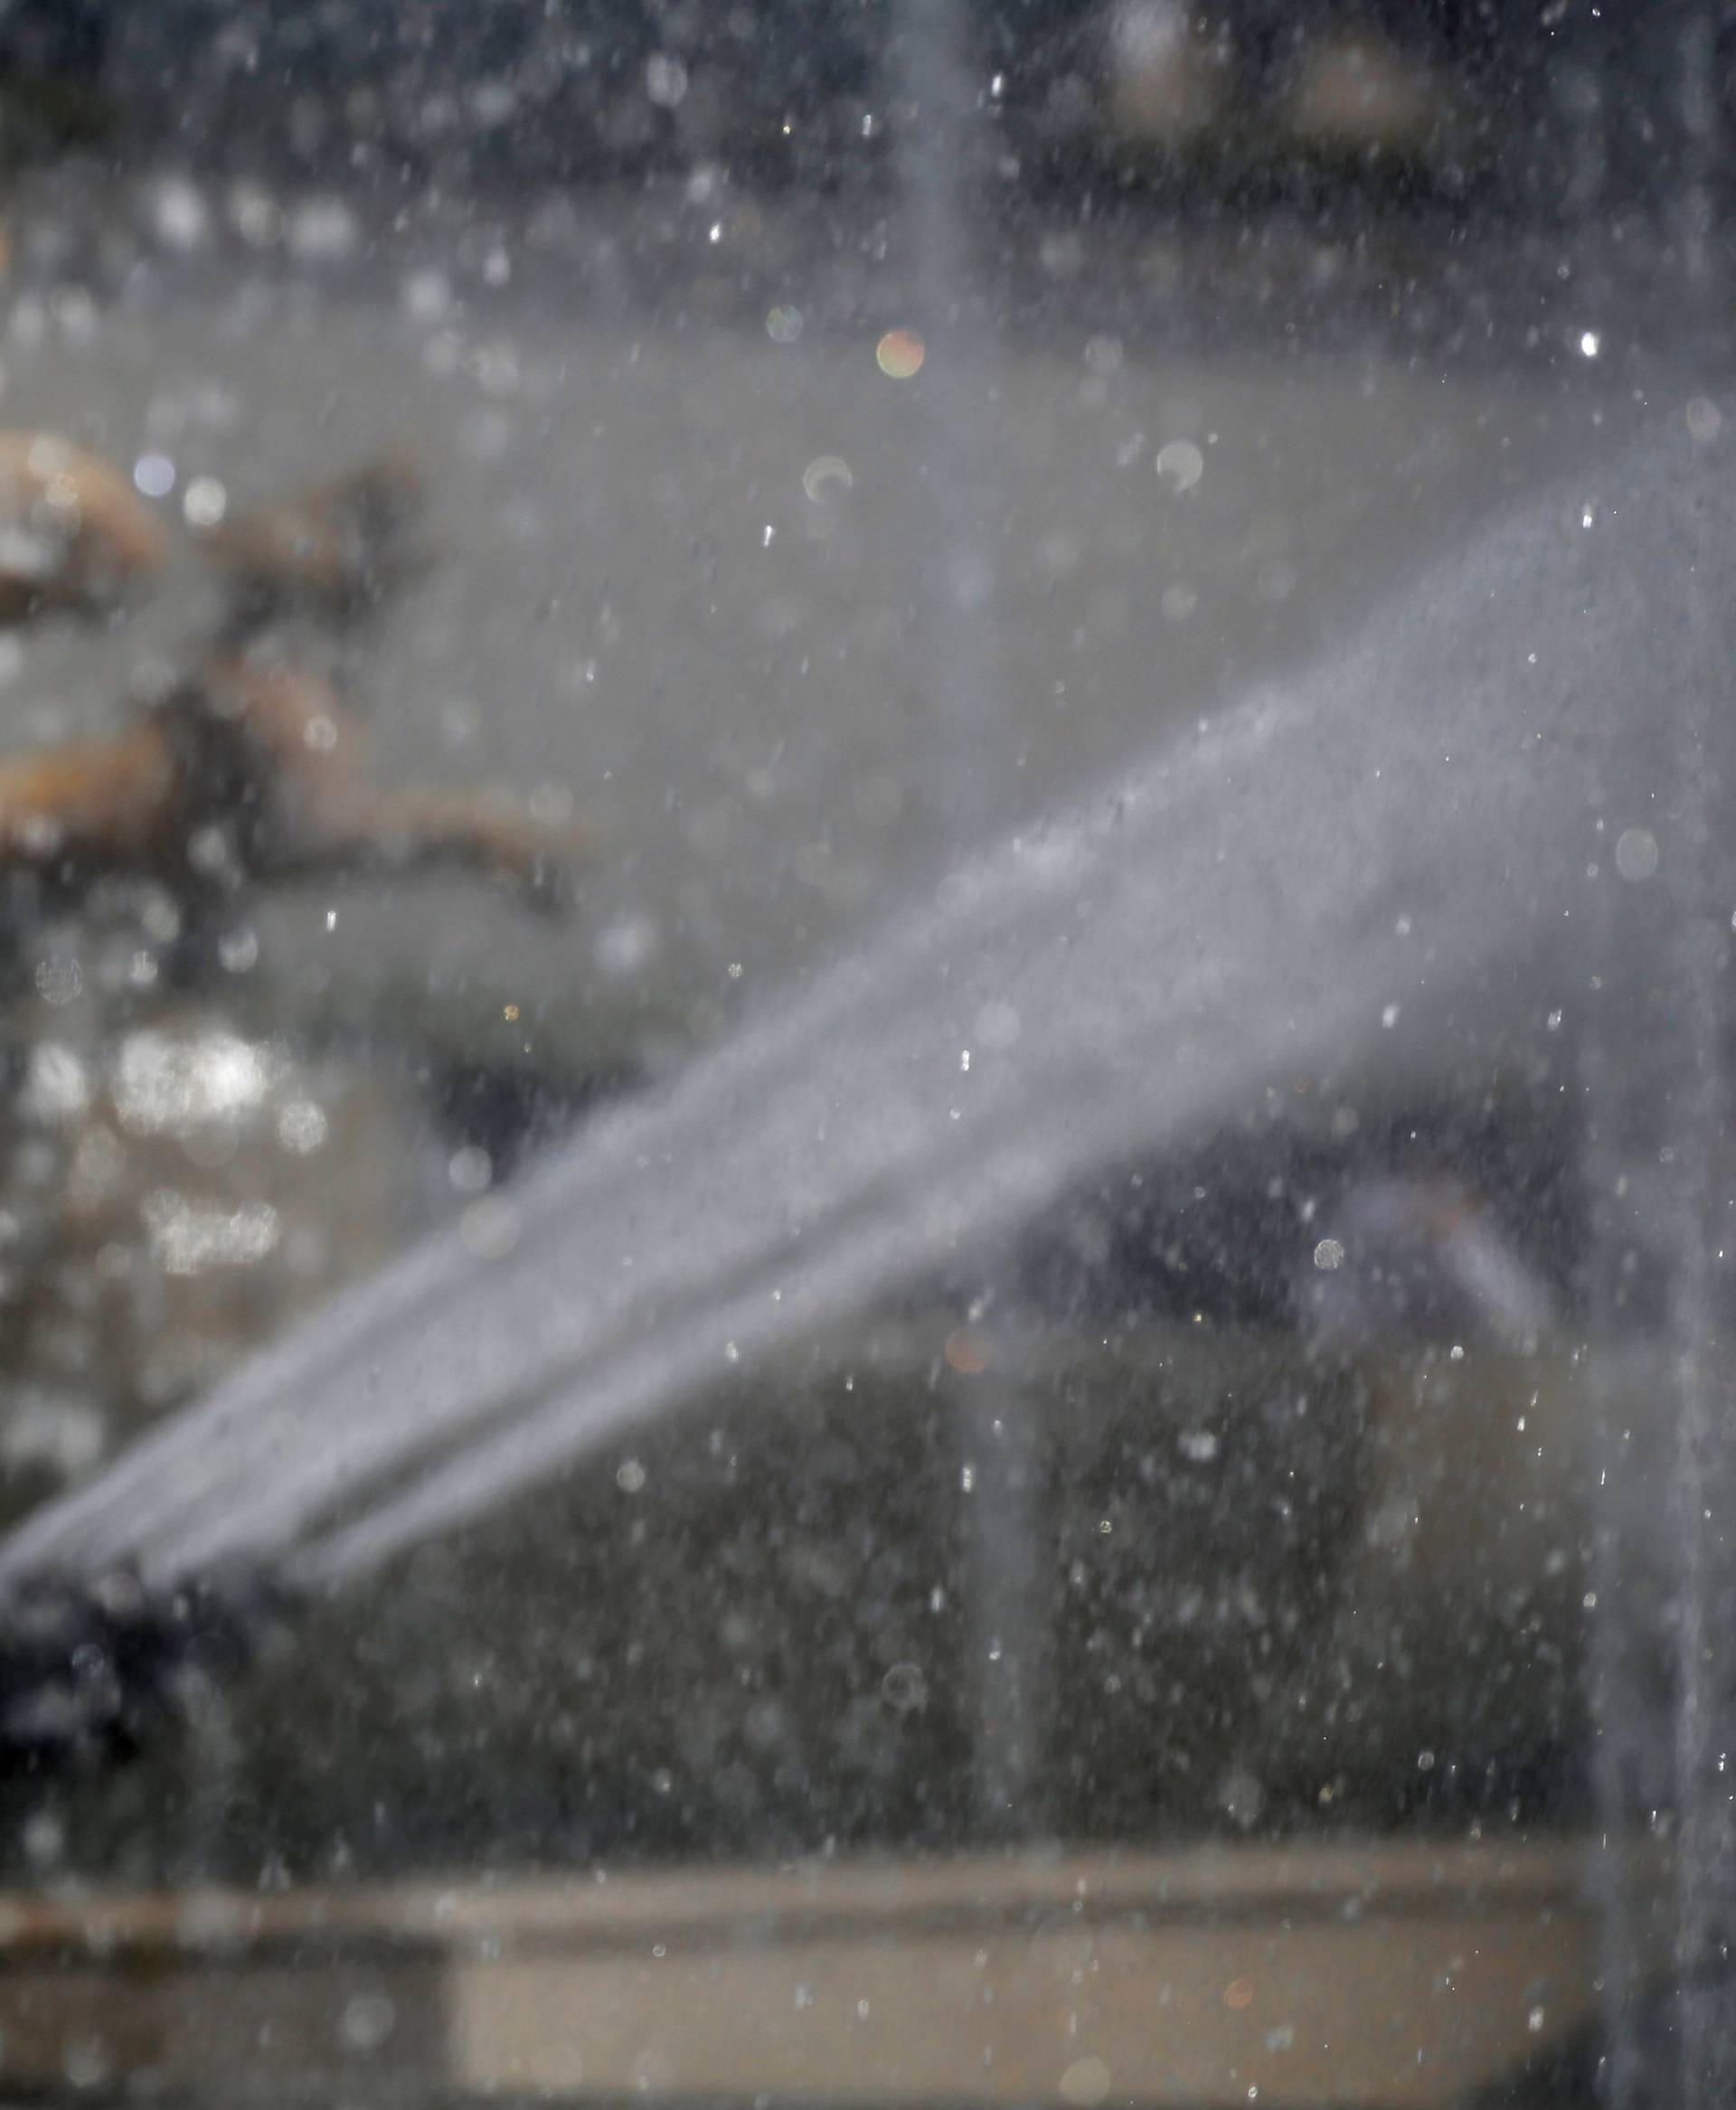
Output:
x,y
1632,1763
1700,1165
1661,1180
1697,1161
940,142
1008,1603
1662,1170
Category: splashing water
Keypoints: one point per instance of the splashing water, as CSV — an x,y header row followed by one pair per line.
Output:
x,y
1414,819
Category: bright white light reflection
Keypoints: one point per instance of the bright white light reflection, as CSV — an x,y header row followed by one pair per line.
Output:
x,y
186,1238
164,1084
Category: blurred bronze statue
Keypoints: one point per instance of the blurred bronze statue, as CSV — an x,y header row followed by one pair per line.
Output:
x,y
337,549
72,534
252,743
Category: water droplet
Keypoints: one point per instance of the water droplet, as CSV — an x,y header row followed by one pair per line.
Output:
x,y
826,478
255,213
238,951
490,1227
899,354
628,943
1180,465
154,475
968,1352
470,1170
1329,1254
1637,853
76,313
629,1476
58,978
324,230
302,1127
55,1086
1085,2083
666,79
180,218
426,296
904,1688
44,1839
86,2062
367,2021
205,501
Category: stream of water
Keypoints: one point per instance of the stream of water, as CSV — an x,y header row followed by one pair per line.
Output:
x,y
1345,869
